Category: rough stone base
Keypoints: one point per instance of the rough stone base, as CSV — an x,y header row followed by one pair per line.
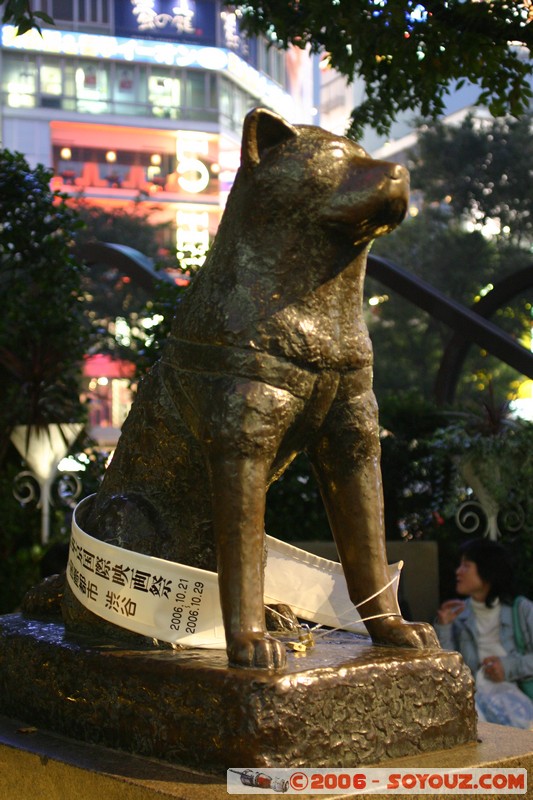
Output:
x,y
37,764
344,703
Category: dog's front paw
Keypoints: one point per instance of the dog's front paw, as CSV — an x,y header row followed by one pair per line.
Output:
x,y
396,631
257,650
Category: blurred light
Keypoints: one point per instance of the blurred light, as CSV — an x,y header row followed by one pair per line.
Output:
x,y
111,156
377,299
70,464
66,153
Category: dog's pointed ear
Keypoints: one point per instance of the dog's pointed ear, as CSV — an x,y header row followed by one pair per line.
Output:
x,y
263,129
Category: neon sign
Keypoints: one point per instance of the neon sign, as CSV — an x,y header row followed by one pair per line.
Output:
x,y
192,238
148,19
193,175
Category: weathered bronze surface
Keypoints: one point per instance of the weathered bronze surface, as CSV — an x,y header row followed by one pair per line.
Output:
x,y
269,355
345,703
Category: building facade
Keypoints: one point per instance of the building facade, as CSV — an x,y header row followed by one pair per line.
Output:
x,y
142,99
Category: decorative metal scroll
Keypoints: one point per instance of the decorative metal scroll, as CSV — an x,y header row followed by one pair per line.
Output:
x,y
474,519
65,489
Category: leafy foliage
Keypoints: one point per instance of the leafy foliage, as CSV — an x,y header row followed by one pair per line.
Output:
x,y
20,13
499,445
409,54
43,338
19,544
42,335
409,477
464,176
408,342
481,171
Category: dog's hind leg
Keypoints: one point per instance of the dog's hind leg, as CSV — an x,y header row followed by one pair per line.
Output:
x,y
346,460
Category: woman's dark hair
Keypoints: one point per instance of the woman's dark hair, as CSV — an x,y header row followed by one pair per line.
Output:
x,y
494,567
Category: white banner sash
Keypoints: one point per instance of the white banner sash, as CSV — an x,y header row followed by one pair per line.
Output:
x,y
180,604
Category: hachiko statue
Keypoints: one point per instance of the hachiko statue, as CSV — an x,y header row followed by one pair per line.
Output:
x,y
268,356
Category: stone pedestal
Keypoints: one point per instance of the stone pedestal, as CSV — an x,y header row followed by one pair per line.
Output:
x,y
38,764
344,703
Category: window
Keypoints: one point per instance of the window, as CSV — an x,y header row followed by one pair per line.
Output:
x,y
19,81
50,78
276,65
105,11
196,90
125,89
225,99
164,94
212,90
241,106
63,9
69,86
74,11
262,54
92,87
234,104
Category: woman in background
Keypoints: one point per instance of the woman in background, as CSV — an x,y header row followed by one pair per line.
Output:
x,y
481,629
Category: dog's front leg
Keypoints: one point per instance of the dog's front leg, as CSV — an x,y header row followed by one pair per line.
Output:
x,y
346,459
238,497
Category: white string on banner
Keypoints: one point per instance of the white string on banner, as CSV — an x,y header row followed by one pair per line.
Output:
x,y
180,604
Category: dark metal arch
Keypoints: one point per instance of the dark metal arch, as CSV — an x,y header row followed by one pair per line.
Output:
x,y
457,348
131,262
470,325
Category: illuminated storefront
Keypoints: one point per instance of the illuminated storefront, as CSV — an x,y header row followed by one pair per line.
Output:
x,y
143,99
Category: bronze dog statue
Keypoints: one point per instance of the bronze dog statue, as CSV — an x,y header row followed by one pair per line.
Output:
x,y
268,356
